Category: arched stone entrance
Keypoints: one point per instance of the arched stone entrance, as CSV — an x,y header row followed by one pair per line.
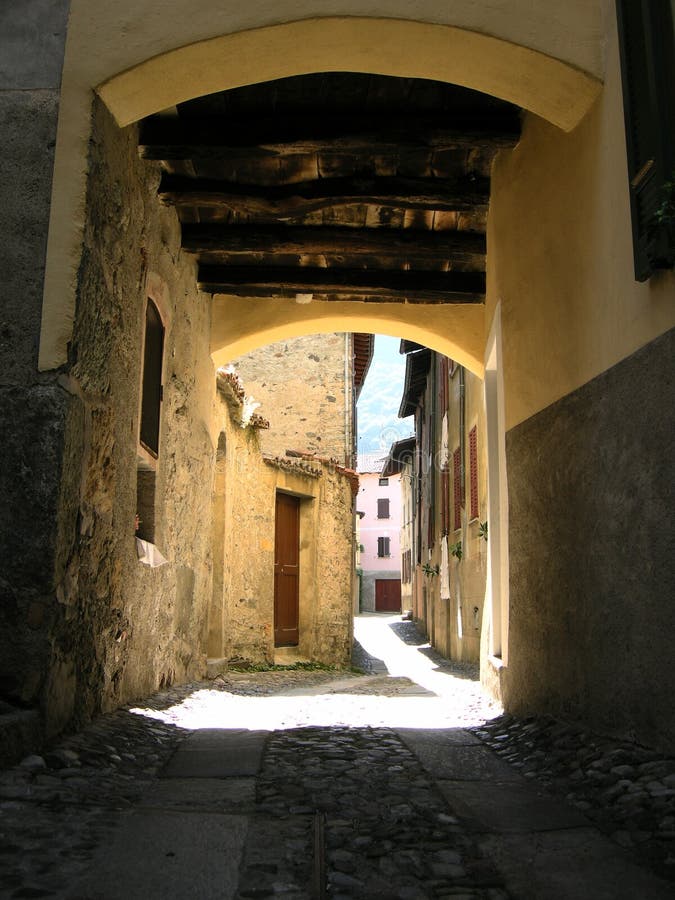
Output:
x,y
552,89
585,349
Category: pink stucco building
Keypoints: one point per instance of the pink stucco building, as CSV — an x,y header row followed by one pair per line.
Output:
x,y
379,503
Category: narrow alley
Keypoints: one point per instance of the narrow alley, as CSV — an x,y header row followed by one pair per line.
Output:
x,y
403,782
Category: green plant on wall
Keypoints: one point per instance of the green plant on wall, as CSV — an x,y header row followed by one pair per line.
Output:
x,y
483,530
456,550
430,570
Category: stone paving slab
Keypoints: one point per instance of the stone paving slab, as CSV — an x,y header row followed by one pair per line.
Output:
x,y
170,854
625,789
200,794
574,864
218,753
452,754
514,807
439,737
541,846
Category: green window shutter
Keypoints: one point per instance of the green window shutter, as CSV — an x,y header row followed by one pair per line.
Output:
x,y
646,47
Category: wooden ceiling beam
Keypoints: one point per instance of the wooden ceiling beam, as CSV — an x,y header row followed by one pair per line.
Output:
x,y
174,138
401,244
359,284
286,201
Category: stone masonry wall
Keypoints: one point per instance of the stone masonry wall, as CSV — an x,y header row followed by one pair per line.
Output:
x,y
301,384
333,622
32,405
242,608
124,628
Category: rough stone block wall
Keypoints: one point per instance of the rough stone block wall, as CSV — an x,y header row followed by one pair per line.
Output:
x,y
124,628
301,384
33,407
247,601
335,570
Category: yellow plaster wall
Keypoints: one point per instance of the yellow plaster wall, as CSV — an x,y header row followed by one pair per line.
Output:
x,y
121,35
560,256
241,324
468,582
389,46
466,576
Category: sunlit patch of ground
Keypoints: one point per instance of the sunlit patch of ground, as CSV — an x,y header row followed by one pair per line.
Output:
x,y
419,690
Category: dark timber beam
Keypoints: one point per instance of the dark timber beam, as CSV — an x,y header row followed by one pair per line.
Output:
x,y
359,284
290,200
173,138
428,246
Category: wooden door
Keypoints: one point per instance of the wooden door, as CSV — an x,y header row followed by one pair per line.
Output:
x,y
387,595
286,559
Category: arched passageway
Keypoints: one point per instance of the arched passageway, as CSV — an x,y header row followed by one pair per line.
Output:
x,y
552,88
558,279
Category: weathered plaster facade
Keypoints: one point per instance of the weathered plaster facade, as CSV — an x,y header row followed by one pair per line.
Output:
x,y
241,617
448,588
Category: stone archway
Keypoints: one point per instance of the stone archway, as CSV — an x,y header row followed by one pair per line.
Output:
x,y
546,86
560,265
557,91
240,325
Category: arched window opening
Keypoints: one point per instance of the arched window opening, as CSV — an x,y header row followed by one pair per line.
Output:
x,y
149,426
152,380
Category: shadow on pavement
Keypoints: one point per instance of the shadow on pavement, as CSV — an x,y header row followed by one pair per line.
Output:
x,y
370,664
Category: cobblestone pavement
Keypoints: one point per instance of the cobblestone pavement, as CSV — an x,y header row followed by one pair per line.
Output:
x,y
626,790
334,775
361,796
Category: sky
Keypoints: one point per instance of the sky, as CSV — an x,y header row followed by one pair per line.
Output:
x,y
378,422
